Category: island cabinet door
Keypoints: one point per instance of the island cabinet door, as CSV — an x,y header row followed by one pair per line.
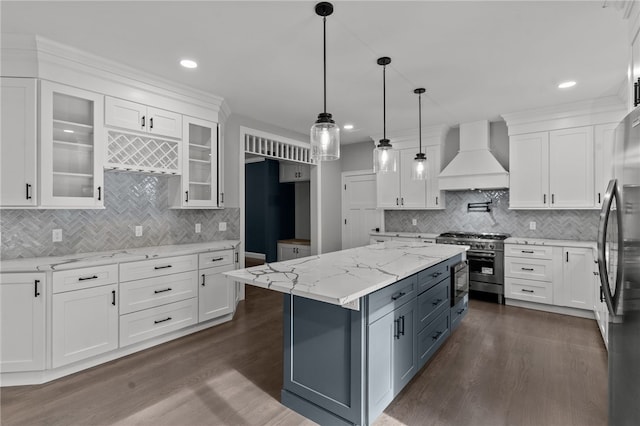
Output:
x,y
381,341
405,353
324,361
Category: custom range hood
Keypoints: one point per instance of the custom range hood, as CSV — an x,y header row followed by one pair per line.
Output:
x,y
474,167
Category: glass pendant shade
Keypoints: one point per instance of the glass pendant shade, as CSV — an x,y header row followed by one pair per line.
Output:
x,y
419,169
385,158
325,141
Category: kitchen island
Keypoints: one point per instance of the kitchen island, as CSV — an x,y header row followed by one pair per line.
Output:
x,y
359,324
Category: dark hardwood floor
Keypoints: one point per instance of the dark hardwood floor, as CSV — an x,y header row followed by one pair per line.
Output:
x,y
503,366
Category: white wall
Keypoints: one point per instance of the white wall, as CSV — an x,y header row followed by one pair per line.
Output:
x,y
330,206
357,156
303,210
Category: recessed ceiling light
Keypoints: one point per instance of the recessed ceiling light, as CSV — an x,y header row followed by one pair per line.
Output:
x,y
68,131
188,63
566,84
348,127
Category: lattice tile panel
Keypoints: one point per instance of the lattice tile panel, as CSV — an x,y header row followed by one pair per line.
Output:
x,y
132,152
277,149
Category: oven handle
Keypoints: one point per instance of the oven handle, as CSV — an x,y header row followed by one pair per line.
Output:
x,y
480,254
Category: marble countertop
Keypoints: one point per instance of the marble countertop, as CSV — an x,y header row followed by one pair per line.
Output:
x,y
405,234
342,277
83,260
550,242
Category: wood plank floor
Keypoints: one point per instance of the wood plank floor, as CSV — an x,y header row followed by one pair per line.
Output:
x,y
503,366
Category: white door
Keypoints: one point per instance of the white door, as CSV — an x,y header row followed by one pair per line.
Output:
x,y
604,135
413,193
435,197
22,322
18,142
388,189
199,164
571,180
359,213
216,295
165,123
578,277
529,170
125,114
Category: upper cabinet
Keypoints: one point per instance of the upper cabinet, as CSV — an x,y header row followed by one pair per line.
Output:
x,y
567,164
71,147
142,118
290,172
18,143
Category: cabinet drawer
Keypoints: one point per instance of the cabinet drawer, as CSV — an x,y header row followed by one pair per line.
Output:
x,y
215,258
528,251
458,312
532,291
152,292
374,239
430,339
391,297
77,279
431,302
149,323
157,267
530,269
432,276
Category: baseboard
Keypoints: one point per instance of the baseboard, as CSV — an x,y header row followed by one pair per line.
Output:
x,y
563,310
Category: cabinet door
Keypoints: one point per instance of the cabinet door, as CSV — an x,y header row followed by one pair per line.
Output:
x,y
304,172
604,136
303,250
217,294
577,277
125,114
286,252
413,193
165,123
529,170
84,324
200,163
381,364
18,142
22,334
435,197
288,172
388,189
404,350
571,179
71,147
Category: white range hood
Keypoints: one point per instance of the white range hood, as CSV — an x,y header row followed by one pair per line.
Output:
x,y
474,167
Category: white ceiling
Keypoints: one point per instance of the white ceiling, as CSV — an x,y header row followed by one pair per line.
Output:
x,y
476,59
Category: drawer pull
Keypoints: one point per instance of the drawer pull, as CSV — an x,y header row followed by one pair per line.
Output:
x,y
527,291
163,320
162,291
217,259
527,269
162,267
460,311
436,302
36,293
527,251
436,274
94,277
202,280
113,297
396,328
401,319
398,295
436,335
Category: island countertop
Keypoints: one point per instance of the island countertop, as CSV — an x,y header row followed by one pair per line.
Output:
x,y
343,277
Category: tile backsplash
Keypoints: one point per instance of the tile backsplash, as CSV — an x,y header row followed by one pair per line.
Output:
x,y
555,224
130,199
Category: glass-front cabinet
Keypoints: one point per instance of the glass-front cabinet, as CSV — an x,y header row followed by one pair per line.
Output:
x,y
71,147
199,180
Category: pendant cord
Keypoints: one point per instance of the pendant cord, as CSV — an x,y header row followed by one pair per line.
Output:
x,y
420,122
324,45
384,102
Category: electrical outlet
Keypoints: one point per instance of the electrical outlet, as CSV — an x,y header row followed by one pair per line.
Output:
x,y
198,228
532,226
222,226
414,222
138,231
57,235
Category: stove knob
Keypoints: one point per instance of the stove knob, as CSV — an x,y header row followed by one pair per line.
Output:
x,y
491,246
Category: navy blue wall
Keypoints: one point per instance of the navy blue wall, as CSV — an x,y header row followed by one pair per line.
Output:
x,y
269,209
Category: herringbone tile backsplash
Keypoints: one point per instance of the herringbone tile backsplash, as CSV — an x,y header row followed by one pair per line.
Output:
x,y
554,224
130,199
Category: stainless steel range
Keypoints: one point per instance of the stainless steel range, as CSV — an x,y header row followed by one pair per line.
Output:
x,y
486,259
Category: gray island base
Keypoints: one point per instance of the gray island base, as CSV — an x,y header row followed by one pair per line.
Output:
x,y
344,365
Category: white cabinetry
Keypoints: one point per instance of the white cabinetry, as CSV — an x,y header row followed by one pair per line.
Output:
x,y
71,148
577,278
142,118
396,190
22,322
600,309
18,142
294,172
216,295
288,251
604,136
198,186
528,273
529,170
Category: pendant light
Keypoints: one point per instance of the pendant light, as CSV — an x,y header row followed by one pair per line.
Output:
x,y
419,169
384,156
325,134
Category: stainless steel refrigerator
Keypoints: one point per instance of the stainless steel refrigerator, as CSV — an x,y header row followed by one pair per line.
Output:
x,y
619,265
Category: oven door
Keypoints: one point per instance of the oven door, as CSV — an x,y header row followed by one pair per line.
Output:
x,y
485,266
459,282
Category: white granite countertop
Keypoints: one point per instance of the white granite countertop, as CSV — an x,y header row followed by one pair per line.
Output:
x,y
550,242
83,260
405,234
342,277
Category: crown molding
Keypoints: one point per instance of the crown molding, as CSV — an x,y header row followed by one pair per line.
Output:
x,y
431,135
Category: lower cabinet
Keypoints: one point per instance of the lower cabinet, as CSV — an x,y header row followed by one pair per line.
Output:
x,y
292,251
84,324
577,277
216,294
430,339
22,322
